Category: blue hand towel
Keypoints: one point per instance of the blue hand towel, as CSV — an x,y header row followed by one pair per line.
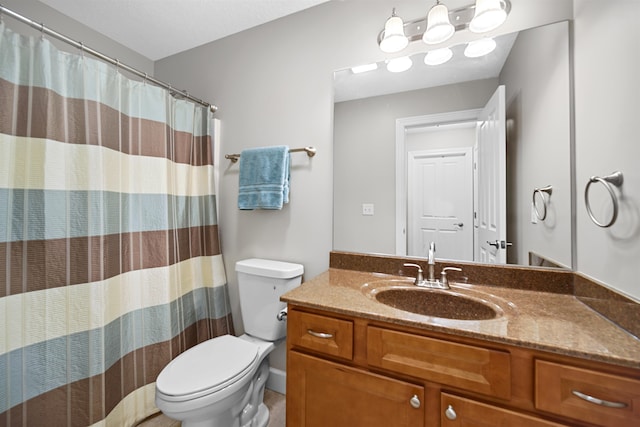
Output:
x,y
264,178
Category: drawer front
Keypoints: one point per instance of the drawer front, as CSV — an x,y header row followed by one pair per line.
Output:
x,y
323,334
587,395
468,367
458,411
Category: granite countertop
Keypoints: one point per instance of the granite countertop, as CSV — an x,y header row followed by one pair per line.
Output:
x,y
553,322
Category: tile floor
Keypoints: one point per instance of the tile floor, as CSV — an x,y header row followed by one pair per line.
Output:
x,y
274,401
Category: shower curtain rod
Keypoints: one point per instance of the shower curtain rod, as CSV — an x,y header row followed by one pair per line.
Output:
x,y
117,63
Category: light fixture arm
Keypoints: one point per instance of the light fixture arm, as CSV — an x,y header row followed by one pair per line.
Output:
x,y
460,18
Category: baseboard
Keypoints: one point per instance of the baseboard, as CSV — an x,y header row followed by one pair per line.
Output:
x,y
277,380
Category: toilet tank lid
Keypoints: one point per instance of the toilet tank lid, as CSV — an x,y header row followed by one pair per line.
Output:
x,y
269,268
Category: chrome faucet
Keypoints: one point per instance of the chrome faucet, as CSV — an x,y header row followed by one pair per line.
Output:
x,y
432,261
443,283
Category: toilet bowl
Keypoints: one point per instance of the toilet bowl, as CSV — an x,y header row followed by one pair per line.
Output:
x,y
209,383
221,381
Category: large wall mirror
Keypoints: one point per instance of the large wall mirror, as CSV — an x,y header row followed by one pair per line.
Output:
x,y
408,147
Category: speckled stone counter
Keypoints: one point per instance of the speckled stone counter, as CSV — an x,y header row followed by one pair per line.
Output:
x,y
546,320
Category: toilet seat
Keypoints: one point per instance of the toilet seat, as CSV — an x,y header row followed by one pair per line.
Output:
x,y
207,367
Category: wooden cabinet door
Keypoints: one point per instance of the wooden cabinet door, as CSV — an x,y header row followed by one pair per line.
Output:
x,y
326,394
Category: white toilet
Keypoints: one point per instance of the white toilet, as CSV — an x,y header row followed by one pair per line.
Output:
x,y
220,382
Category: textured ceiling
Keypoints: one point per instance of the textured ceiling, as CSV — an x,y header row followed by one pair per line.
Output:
x,y
160,28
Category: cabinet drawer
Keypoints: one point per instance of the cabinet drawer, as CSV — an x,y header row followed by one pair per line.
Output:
x,y
320,333
607,400
458,411
468,367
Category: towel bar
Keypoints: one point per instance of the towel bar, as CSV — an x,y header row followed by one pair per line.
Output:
x,y
311,151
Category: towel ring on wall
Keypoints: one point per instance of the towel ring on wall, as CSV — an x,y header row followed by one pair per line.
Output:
x,y
545,202
614,179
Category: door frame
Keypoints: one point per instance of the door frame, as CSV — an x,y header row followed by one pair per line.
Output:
x,y
404,125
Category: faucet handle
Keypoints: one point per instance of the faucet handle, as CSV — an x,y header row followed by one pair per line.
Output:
x,y
443,274
419,277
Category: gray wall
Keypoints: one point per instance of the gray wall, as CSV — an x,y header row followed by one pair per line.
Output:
x,y
365,158
537,80
607,97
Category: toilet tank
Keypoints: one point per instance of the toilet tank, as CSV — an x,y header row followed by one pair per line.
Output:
x,y
261,282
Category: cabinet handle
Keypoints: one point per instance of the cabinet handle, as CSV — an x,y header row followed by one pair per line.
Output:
x,y
451,413
415,401
597,401
322,335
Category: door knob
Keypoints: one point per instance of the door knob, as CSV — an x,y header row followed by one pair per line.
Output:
x,y
459,224
415,401
450,413
499,244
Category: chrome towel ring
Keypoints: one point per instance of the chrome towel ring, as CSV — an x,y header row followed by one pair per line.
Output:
x,y
545,202
613,179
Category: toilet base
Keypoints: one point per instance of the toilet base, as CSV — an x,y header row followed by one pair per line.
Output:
x,y
262,417
260,420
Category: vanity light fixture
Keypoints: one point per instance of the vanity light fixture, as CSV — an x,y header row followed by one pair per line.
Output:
x,y
398,65
441,23
438,56
364,68
394,39
439,27
478,48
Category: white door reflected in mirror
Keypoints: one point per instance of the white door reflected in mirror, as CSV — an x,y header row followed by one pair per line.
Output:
x,y
440,195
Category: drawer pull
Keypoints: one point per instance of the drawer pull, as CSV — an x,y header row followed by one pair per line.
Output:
x,y
322,335
597,401
450,413
415,401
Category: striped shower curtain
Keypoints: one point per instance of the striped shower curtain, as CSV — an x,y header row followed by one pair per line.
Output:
x,y
110,264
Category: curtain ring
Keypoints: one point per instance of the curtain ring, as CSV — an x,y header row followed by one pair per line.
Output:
x,y
42,31
548,189
614,179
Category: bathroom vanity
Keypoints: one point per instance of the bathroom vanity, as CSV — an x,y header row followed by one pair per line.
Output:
x,y
544,359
